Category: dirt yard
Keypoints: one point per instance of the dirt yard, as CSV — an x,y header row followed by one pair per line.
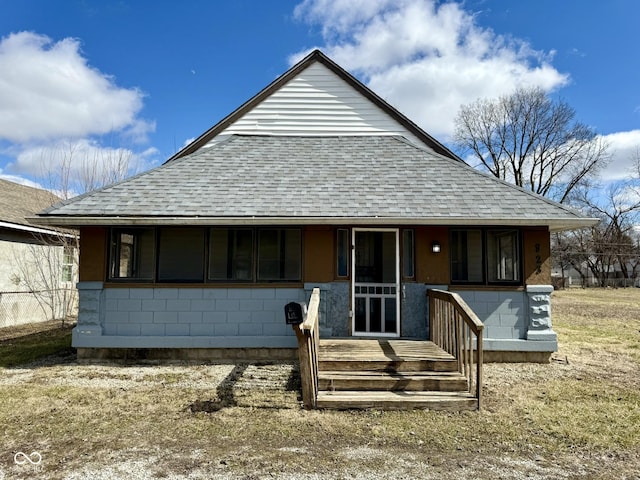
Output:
x,y
577,417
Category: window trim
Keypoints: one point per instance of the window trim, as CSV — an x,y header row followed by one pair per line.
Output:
x,y
484,231
114,246
404,254
343,245
113,249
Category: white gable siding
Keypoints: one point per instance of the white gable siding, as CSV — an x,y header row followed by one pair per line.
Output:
x,y
317,102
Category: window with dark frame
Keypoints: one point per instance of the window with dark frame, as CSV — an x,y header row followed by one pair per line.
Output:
x,y
190,254
408,256
485,256
181,254
342,252
231,254
279,255
132,254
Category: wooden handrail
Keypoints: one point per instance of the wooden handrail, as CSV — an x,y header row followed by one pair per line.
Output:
x,y
308,334
455,328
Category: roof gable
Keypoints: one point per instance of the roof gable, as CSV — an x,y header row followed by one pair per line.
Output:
x,y
316,97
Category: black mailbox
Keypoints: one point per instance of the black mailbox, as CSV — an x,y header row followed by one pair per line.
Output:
x,y
294,313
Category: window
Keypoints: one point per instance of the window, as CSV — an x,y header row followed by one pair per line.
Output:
x,y
466,256
279,254
68,256
342,241
481,256
132,253
502,256
190,254
407,254
230,254
181,254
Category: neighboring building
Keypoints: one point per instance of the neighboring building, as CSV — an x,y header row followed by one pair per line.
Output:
x,y
314,182
37,265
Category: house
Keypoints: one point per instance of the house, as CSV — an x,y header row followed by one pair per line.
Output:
x,y
315,182
37,267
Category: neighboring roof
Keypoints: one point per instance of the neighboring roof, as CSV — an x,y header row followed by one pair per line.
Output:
x,y
372,180
18,202
313,58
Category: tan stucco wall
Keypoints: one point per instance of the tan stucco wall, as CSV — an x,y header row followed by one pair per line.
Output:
x,y
536,256
93,254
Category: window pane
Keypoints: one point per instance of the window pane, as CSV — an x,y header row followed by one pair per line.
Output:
x,y
466,256
279,254
68,256
231,254
502,256
181,254
132,253
407,254
343,252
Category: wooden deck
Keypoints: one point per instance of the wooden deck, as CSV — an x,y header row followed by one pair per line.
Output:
x,y
389,374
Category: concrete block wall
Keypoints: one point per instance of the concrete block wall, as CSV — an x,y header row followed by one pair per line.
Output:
x,y
508,321
504,314
124,317
220,312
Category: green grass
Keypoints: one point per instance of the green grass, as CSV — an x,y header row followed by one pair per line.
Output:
x,y
30,348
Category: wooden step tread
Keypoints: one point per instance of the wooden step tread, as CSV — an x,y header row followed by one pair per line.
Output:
x,y
326,364
385,381
381,374
344,400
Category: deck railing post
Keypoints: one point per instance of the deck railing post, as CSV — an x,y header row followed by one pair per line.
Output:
x,y
454,327
308,337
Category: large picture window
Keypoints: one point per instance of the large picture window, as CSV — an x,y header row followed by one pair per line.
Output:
x,y
480,256
231,254
279,254
181,254
190,254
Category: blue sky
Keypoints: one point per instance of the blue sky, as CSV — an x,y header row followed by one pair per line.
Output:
x,y
105,78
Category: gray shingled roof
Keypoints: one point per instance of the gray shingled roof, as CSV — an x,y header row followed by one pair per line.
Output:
x,y
262,179
17,202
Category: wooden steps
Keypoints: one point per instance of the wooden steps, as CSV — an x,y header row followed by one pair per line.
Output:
x,y
449,401
389,374
391,381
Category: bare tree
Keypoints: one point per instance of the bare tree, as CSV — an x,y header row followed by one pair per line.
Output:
x,y
610,248
79,170
47,266
528,139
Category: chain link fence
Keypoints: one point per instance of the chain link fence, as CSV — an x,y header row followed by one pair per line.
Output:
x,y
20,308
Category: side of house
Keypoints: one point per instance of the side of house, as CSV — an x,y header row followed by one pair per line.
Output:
x,y
38,266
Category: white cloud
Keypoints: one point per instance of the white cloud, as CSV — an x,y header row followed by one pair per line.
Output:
x,y
624,148
69,167
48,91
426,58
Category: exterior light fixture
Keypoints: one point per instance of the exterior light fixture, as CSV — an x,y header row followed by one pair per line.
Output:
x,y
435,246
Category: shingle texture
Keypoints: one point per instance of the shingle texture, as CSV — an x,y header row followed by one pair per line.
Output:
x,y
19,201
355,177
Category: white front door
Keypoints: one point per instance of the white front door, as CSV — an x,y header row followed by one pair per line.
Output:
x,y
376,282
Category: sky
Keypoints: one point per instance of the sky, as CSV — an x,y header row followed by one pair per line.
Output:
x,y
138,79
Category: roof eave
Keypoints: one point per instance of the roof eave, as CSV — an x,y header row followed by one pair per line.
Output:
x,y
35,230
554,225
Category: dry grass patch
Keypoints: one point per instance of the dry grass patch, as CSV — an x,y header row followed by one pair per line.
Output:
x,y
577,417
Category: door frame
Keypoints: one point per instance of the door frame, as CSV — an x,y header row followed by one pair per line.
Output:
x,y
396,232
